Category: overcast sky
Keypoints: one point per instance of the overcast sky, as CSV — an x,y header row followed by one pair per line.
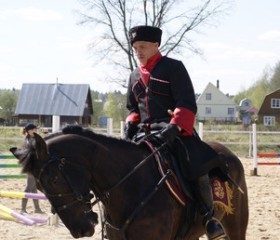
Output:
x,y
40,41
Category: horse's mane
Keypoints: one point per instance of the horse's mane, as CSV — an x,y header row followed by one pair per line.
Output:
x,y
88,133
52,135
28,150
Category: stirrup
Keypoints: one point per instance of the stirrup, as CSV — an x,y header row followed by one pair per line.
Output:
x,y
221,235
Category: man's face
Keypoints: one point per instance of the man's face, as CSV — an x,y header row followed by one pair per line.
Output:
x,y
144,50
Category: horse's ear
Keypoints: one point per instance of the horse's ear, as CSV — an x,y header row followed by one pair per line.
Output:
x,y
24,157
41,148
19,153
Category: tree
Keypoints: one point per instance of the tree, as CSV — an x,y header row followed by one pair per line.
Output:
x,y
178,19
257,91
115,107
98,100
8,101
275,79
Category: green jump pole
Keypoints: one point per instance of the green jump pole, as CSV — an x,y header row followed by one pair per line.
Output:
x,y
12,176
10,165
3,156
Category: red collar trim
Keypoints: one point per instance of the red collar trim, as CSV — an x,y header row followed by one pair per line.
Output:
x,y
145,70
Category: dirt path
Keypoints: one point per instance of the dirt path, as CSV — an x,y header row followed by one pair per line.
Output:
x,y
264,202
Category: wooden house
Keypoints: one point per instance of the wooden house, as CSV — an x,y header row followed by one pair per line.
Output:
x,y
214,105
38,103
269,113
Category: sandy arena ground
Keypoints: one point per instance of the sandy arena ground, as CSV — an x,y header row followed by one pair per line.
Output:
x,y
264,203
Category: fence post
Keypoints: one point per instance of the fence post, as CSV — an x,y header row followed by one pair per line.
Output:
x,y
255,159
109,126
55,123
250,144
122,129
200,130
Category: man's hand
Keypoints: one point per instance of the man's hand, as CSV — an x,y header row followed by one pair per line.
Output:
x,y
130,130
169,133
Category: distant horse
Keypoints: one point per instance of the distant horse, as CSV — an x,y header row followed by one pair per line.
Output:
x,y
137,205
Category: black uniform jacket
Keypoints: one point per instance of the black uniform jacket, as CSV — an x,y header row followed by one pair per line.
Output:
x,y
169,87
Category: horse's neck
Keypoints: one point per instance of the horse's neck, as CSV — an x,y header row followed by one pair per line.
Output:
x,y
113,159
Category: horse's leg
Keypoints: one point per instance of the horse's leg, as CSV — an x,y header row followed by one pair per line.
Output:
x,y
236,224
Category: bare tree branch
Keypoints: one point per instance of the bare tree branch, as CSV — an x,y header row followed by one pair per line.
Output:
x,y
112,19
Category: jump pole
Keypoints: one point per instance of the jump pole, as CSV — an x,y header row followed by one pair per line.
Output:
x,y
16,215
6,216
268,154
9,165
38,219
12,176
4,156
256,155
269,163
22,195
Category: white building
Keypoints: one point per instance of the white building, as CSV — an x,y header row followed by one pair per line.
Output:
x,y
214,105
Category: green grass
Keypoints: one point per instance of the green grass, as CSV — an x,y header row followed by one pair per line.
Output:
x,y
10,132
238,142
12,137
5,145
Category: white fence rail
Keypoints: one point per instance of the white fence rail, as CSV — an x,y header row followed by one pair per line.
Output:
x,y
244,137
251,138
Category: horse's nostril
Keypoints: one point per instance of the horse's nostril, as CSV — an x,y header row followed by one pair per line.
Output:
x,y
93,216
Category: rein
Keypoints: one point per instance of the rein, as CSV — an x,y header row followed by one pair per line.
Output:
x,y
106,194
135,168
139,207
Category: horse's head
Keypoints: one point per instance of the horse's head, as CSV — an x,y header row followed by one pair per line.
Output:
x,y
64,182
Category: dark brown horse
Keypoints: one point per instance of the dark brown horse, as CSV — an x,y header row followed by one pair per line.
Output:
x,y
137,205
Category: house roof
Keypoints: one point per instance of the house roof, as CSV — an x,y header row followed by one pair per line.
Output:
x,y
244,101
265,107
218,97
52,99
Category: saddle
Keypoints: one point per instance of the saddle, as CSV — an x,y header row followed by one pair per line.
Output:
x,y
177,184
166,160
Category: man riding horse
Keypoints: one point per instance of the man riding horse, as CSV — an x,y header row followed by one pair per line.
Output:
x,y
160,91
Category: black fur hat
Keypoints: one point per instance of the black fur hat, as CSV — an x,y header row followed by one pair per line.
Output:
x,y
145,33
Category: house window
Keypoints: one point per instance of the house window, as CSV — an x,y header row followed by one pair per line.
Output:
x,y
208,96
275,103
208,110
230,111
269,120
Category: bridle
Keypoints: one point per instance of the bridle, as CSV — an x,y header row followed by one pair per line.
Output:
x,y
104,196
84,198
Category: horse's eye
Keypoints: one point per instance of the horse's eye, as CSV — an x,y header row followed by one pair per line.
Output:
x,y
54,180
